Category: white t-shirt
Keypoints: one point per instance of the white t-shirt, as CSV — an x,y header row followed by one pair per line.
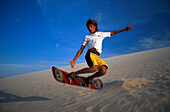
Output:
x,y
95,40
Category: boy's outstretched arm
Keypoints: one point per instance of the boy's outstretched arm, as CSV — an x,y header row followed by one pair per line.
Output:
x,y
77,55
119,31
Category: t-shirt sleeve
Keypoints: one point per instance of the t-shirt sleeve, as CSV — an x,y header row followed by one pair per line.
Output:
x,y
85,41
104,34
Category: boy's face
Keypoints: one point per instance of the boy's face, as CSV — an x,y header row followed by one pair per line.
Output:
x,y
91,28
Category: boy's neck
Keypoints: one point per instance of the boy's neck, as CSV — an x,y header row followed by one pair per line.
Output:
x,y
93,33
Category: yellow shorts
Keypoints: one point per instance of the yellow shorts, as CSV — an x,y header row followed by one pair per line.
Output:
x,y
93,59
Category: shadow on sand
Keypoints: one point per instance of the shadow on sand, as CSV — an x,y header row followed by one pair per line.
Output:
x,y
114,84
6,97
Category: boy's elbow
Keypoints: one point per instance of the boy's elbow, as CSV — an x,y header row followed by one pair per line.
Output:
x,y
112,33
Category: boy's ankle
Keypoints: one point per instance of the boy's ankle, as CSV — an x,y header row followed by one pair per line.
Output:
x,y
73,74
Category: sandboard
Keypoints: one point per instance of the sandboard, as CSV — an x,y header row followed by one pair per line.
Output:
x,y
61,76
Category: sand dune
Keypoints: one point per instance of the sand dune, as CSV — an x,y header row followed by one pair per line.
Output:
x,y
138,82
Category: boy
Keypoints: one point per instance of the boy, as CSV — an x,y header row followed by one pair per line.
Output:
x,y
94,42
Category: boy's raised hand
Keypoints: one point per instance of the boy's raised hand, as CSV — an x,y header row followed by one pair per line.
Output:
x,y
72,63
128,28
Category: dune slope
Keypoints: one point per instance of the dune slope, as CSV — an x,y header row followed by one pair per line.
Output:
x,y
138,82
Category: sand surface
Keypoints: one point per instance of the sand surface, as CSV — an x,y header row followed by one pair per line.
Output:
x,y
138,82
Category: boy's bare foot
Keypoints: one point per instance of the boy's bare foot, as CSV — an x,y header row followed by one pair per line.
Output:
x,y
89,86
88,82
70,80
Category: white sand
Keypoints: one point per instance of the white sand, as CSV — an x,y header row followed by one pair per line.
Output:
x,y
138,82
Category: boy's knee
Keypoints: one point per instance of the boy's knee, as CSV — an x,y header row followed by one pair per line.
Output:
x,y
103,70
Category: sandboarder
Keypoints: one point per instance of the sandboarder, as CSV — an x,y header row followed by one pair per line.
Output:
x,y
94,42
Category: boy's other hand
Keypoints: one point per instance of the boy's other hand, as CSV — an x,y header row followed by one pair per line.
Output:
x,y
128,28
72,64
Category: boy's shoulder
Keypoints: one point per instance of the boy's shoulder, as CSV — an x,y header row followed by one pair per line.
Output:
x,y
103,34
98,33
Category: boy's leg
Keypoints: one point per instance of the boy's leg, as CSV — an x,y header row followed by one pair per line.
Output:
x,y
102,71
86,70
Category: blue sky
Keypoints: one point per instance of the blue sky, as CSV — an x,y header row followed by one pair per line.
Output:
x,y
37,34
